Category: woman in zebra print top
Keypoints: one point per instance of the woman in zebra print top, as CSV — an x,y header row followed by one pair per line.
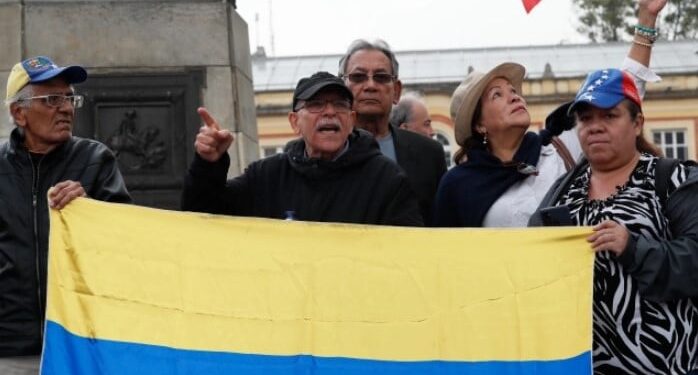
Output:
x,y
646,269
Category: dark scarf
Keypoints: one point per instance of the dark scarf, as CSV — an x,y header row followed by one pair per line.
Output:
x,y
488,178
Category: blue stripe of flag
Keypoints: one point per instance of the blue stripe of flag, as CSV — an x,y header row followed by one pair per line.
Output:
x,y
65,353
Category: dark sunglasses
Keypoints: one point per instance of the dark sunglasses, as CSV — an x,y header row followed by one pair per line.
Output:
x,y
380,78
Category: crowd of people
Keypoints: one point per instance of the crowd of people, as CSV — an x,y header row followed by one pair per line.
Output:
x,y
364,155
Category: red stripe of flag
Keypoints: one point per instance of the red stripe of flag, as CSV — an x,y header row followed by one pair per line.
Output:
x,y
529,4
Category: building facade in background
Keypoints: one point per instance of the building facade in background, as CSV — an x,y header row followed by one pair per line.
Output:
x,y
152,62
554,74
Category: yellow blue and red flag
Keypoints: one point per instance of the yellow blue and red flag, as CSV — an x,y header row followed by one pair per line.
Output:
x,y
134,290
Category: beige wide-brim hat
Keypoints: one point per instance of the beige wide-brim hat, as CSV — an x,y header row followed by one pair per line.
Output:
x,y
468,93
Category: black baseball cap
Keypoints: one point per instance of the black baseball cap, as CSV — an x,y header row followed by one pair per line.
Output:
x,y
309,86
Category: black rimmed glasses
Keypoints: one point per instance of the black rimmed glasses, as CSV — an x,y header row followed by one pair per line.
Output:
x,y
57,101
381,78
317,106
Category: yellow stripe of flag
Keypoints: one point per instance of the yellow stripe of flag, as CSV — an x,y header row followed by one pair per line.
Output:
x,y
202,282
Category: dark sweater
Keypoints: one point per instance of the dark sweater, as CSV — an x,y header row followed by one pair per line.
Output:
x,y
361,186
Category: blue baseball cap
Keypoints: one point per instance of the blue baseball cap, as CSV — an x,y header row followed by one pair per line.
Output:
x,y
605,89
40,69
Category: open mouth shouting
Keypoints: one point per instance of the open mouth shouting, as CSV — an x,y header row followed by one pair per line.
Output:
x,y
328,126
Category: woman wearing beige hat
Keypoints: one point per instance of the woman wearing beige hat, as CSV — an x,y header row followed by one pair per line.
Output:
x,y
504,170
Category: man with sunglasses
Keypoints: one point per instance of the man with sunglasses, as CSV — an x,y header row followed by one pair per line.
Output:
x,y
41,158
370,70
332,173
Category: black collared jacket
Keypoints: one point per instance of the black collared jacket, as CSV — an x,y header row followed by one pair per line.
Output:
x,y
24,227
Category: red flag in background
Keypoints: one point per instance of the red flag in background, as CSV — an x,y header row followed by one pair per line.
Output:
x,y
529,4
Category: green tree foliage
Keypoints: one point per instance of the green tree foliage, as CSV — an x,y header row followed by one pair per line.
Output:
x,y
604,20
614,20
680,20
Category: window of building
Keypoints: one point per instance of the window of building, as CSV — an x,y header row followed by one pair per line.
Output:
x,y
447,147
271,150
672,142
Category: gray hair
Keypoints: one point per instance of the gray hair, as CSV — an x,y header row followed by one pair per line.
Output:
x,y
402,111
362,44
19,98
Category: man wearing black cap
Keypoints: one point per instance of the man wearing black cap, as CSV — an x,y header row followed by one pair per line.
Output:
x,y
41,157
332,173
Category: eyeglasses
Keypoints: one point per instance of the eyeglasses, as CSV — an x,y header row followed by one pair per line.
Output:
x,y
57,101
381,78
317,106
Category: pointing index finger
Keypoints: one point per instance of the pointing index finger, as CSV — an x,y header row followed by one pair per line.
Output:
x,y
209,121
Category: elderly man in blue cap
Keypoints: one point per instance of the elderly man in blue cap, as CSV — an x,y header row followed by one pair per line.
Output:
x,y
41,158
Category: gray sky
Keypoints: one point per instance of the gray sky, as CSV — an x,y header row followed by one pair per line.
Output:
x,y
308,27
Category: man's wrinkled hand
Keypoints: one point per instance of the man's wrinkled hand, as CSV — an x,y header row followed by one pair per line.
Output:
x,y
211,142
63,193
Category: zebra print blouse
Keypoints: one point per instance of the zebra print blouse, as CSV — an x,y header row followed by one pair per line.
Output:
x,y
633,335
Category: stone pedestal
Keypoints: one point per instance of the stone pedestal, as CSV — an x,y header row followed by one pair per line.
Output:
x,y
171,55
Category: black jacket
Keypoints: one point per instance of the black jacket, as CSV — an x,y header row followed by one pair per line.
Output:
x,y
664,270
362,186
24,226
424,163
